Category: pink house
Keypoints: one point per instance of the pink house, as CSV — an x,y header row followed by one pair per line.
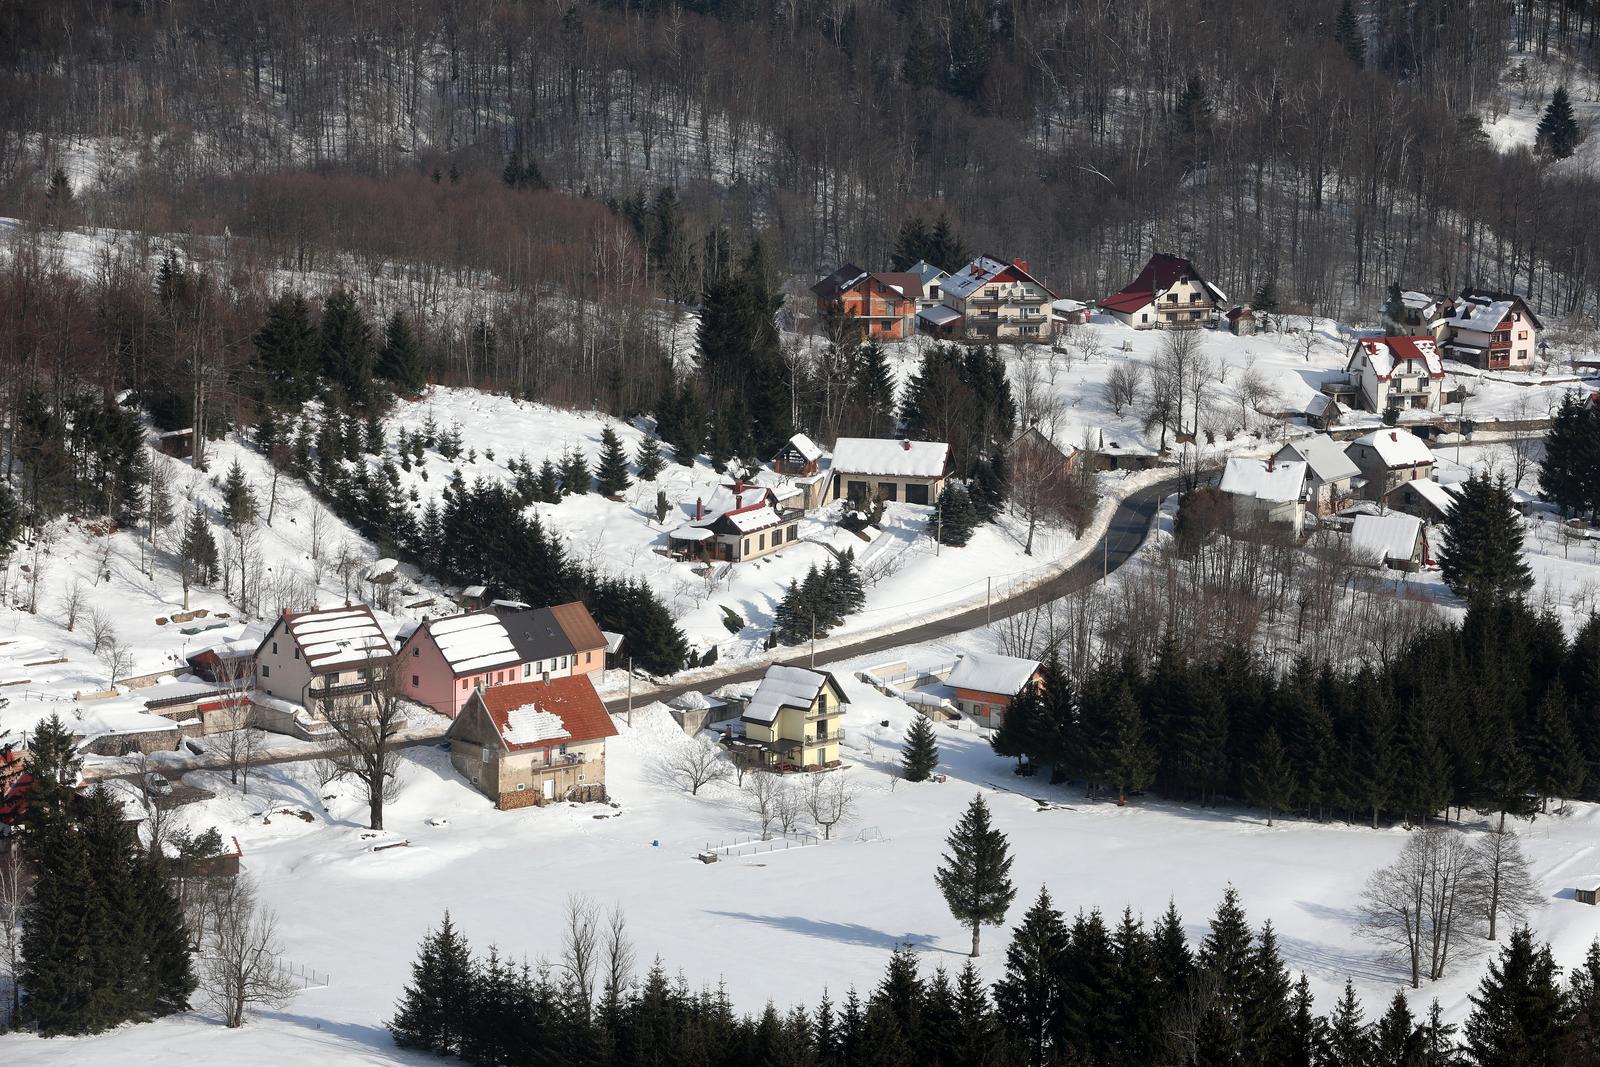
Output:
x,y
445,660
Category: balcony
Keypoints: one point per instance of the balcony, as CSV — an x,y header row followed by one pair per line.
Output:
x,y
825,739
814,714
334,692
558,760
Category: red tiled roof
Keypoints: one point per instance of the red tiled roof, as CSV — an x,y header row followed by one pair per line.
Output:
x,y
1160,272
573,700
1126,302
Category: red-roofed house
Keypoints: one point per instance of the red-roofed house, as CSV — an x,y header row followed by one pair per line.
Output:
x,y
1397,372
534,743
1169,294
14,780
741,522
992,300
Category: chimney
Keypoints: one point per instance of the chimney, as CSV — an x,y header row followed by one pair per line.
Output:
x,y
1394,435
699,508
1020,264
906,445
1272,463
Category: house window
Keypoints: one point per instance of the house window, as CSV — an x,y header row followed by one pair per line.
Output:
x,y
297,652
761,541
746,545
366,698
415,681
266,671
415,651
333,679
527,670
588,657
822,703
563,663
274,648
1522,335
463,685
1144,318
1029,330
1172,298
1194,314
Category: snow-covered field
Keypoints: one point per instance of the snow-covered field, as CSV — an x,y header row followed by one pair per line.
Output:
x,y
783,924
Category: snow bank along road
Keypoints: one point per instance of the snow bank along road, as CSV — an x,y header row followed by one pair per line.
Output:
x,y
1129,525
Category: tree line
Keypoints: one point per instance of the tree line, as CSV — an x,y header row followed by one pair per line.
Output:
x,y
1496,713
1120,993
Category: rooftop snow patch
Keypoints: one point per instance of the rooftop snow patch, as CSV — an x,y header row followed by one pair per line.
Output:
x,y
1264,479
473,642
1387,353
1325,456
531,724
1397,448
990,673
902,459
784,687
1386,537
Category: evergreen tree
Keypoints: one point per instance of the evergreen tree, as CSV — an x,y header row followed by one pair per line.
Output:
x,y
1128,760
400,358
198,552
975,875
1561,766
852,594
58,198
1518,1011
286,351
167,956
1171,962
1028,996
1394,306
12,521
956,517
1396,1041
1482,554
549,483
1349,34
436,1009
1569,473
1558,133
1349,1041
239,507
921,69
648,457
575,477
613,471
921,754
872,387
1024,728
345,346
1271,781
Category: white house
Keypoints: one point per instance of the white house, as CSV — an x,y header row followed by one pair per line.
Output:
x,y
993,300
1389,457
1267,490
1169,294
1397,372
932,279
1331,476
912,471
1489,330
1392,540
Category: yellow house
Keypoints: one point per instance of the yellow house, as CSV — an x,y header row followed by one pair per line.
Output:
x,y
792,720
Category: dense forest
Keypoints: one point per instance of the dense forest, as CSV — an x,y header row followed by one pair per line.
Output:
x,y
1331,146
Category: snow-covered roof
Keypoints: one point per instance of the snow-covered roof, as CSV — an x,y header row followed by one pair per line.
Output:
x,y
904,459
988,672
983,270
475,591
381,568
179,691
1392,536
333,637
938,316
749,520
543,713
613,642
1069,307
1415,301
807,448
1319,404
1385,353
473,642
690,532
1264,479
694,700
1397,448
927,272
1442,497
531,724
1479,317
784,687
1326,457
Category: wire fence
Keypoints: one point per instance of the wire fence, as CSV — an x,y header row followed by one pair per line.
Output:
x,y
307,977
756,845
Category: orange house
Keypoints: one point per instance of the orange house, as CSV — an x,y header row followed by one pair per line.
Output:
x,y
884,304
985,684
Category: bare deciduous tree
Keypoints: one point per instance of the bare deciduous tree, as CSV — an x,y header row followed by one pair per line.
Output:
x,y
787,808
100,628
241,748
761,797
580,947
1421,903
13,896
241,958
1123,385
115,656
830,799
72,605
366,724
697,764
1506,887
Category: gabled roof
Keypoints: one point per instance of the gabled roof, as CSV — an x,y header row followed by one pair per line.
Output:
x,y
987,672
1481,310
333,638
1127,303
1392,536
809,450
472,642
1397,448
1161,272
845,278
579,626
927,273
1264,479
1326,457
982,271
535,632
539,714
903,459
1387,353
1442,497
907,283
788,687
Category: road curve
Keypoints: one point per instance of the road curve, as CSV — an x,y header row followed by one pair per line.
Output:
x,y
1129,525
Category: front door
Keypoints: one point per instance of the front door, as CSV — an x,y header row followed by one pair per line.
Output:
x,y
549,788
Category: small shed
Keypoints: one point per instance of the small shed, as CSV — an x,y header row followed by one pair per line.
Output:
x,y
1588,896
176,443
474,597
614,656
1242,320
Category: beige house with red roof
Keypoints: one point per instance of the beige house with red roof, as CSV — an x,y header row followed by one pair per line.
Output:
x,y
534,743
992,300
1397,372
313,657
740,522
1168,294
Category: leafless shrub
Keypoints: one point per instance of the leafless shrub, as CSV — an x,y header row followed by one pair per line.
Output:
x,y
241,957
830,799
697,764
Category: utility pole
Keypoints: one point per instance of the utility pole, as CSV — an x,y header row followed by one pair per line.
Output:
x,y
988,606
1105,554
630,690
813,639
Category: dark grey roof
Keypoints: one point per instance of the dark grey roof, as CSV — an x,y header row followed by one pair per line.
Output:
x,y
534,633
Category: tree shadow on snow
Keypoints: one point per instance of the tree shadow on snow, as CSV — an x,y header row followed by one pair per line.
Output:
x,y
845,933
343,1034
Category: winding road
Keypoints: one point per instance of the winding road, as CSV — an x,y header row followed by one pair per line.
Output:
x,y
1129,525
